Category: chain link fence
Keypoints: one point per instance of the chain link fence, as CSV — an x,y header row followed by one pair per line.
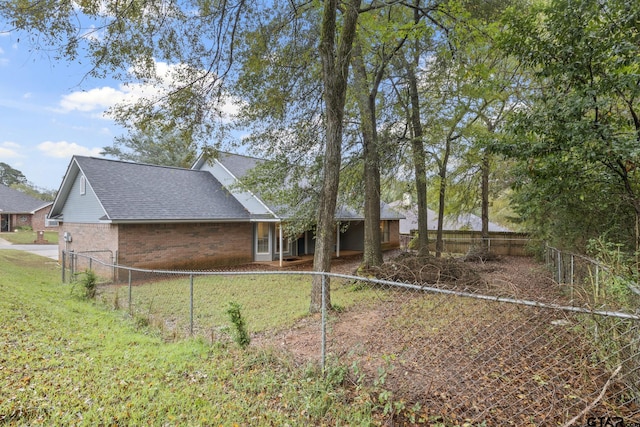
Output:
x,y
478,350
590,282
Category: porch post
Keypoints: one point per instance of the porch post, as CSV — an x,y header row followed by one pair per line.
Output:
x,y
338,239
280,237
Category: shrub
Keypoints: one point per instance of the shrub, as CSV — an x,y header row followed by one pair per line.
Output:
x,y
240,332
89,283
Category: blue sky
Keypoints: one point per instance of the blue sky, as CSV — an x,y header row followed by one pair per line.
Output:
x,y
49,111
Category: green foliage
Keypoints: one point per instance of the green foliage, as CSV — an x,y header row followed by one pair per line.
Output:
x,y
577,140
413,243
10,176
262,308
119,375
35,192
29,236
289,187
240,332
153,147
616,275
88,282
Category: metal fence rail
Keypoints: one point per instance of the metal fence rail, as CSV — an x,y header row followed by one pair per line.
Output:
x,y
434,356
587,279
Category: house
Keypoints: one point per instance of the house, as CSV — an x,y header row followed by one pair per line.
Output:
x,y
150,216
18,209
465,222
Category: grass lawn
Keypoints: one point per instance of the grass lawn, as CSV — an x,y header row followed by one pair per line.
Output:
x,y
67,361
27,237
268,302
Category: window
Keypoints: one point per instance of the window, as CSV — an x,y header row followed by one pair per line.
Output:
x,y
83,185
384,232
262,238
285,241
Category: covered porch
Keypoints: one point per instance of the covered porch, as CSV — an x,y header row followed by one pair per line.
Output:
x,y
304,260
272,247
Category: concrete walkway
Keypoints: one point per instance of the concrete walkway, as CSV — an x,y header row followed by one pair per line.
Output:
x,y
49,251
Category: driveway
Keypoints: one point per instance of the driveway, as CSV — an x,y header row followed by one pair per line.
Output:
x,y
49,251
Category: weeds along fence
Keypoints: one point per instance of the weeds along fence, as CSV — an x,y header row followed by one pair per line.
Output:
x,y
472,354
588,280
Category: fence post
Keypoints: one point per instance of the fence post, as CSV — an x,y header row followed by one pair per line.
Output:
x,y
559,267
130,307
64,255
72,264
597,283
324,324
572,277
546,254
191,303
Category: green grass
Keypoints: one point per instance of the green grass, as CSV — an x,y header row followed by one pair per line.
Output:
x,y
268,302
25,237
66,361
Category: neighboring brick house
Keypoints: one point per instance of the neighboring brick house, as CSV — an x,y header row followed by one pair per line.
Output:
x,y
149,216
18,209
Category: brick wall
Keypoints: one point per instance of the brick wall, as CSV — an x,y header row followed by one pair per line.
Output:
x,y
38,220
98,240
19,220
185,246
394,236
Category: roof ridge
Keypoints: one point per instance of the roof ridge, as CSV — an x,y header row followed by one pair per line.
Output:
x,y
131,162
243,155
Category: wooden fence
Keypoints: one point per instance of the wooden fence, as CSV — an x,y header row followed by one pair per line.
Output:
x,y
459,242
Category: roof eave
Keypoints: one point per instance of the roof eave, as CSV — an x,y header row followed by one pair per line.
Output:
x,y
175,221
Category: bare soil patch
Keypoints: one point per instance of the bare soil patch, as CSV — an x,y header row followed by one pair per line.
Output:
x,y
450,360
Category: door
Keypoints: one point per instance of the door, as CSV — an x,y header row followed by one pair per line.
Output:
x,y
262,232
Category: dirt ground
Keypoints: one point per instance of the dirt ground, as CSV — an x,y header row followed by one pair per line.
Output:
x,y
448,360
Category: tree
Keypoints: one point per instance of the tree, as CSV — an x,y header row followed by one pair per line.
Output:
x,y
383,35
335,71
410,105
579,137
153,147
10,176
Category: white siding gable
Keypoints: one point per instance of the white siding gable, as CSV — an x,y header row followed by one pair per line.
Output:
x,y
250,201
82,208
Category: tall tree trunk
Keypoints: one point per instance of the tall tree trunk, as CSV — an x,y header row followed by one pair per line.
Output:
x,y
419,159
417,134
366,99
441,198
335,72
484,167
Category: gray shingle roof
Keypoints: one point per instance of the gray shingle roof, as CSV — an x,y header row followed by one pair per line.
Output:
x,y
141,192
462,222
238,164
14,201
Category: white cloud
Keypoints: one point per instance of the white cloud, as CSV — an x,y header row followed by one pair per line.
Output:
x,y
10,149
64,149
99,100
